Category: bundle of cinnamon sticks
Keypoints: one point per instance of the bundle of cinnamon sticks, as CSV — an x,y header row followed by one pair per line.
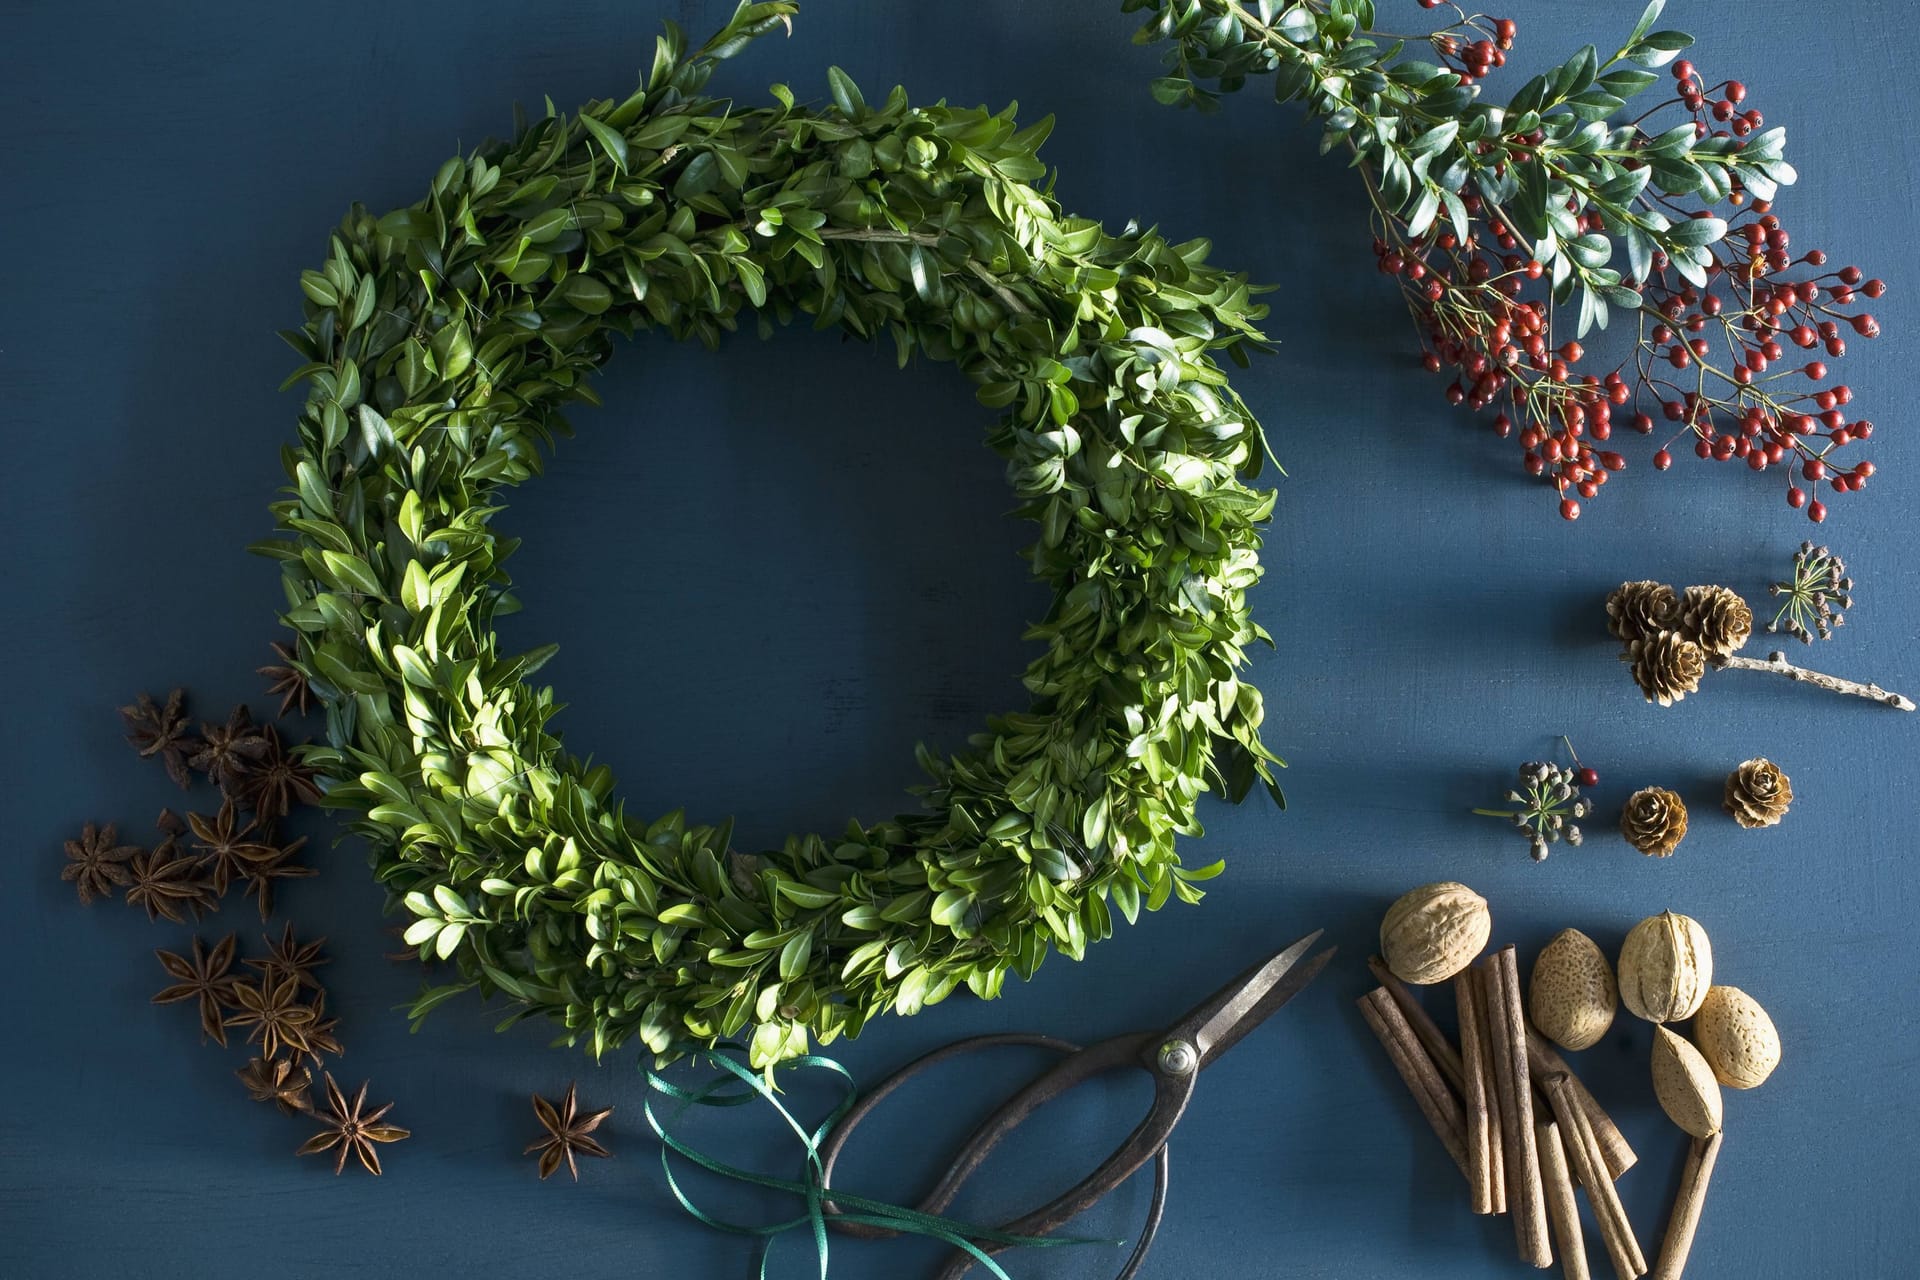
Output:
x,y
1519,1124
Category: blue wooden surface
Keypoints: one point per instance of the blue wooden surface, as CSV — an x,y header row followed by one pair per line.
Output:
x,y
773,569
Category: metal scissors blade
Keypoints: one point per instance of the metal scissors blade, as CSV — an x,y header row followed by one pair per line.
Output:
x,y
1217,1024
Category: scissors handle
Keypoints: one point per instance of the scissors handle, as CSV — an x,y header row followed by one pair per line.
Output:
x,y
1148,1138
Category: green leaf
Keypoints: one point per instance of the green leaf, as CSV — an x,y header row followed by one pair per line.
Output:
x,y
1696,232
795,955
1648,17
1298,25
584,293
925,275
352,572
610,141
846,94
950,908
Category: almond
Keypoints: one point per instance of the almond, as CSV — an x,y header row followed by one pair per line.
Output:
x,y
1736,1037
1684,1083
1572,991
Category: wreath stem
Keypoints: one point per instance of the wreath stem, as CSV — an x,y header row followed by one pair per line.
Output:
x,y
1776,662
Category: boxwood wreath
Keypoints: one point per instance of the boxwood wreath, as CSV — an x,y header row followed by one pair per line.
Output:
x,y
442,342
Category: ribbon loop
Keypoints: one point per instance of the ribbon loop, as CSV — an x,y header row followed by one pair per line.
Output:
x,y
737,1084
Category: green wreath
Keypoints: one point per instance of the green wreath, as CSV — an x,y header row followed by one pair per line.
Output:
x,y
442,341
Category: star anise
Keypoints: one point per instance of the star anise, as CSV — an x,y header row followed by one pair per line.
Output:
x,y
202,978
225,845
277,864
95,862
322,1042
229,749
288,681
568,1134
170,823
281,1081
274,1012
169,883
274,780
153,730
285,955
350,1131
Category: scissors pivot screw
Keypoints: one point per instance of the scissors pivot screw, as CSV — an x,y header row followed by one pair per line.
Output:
x,y
1178,1058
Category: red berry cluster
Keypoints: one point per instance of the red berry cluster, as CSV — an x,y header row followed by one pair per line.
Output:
x,y
1712,359
1476,46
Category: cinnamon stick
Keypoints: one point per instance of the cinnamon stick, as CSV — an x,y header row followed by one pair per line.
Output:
x,y
1526,1195
1544,1061
1485,988
1687,1204
1588,1165
1473,1070
1422,1077
1563,1215
1438,1047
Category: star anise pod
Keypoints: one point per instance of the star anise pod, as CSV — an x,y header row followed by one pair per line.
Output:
x,y
351,1132
272,1008
153,730
203,978
278,864
170,823
228,749
322,1042
288,681
274,780
95,862
169,883
281,1081
225,844
568,1134
285,955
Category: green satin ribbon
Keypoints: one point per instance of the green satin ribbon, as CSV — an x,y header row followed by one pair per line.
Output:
x,y
726,1090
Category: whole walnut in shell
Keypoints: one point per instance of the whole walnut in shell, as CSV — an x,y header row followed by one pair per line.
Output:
x,y
1666,966
1433,932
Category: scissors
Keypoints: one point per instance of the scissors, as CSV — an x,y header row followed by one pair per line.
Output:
x,y
1173,1056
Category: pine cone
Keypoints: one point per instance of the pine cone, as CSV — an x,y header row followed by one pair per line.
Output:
x,y
1716,619
1640,610
1758,794
1655,821
1667,666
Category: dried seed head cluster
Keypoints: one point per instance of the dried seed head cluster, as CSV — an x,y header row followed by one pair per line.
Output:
x,y
1547,800
1815,599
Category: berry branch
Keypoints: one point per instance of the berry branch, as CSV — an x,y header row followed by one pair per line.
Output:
x,y
1776,662
1507,227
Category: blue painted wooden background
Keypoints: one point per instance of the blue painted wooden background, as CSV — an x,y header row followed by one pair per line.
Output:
x,y
774,568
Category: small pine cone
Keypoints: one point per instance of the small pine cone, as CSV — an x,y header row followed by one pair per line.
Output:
x,y
1667,666
1716,619
1640,610
1655,821
1758,794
